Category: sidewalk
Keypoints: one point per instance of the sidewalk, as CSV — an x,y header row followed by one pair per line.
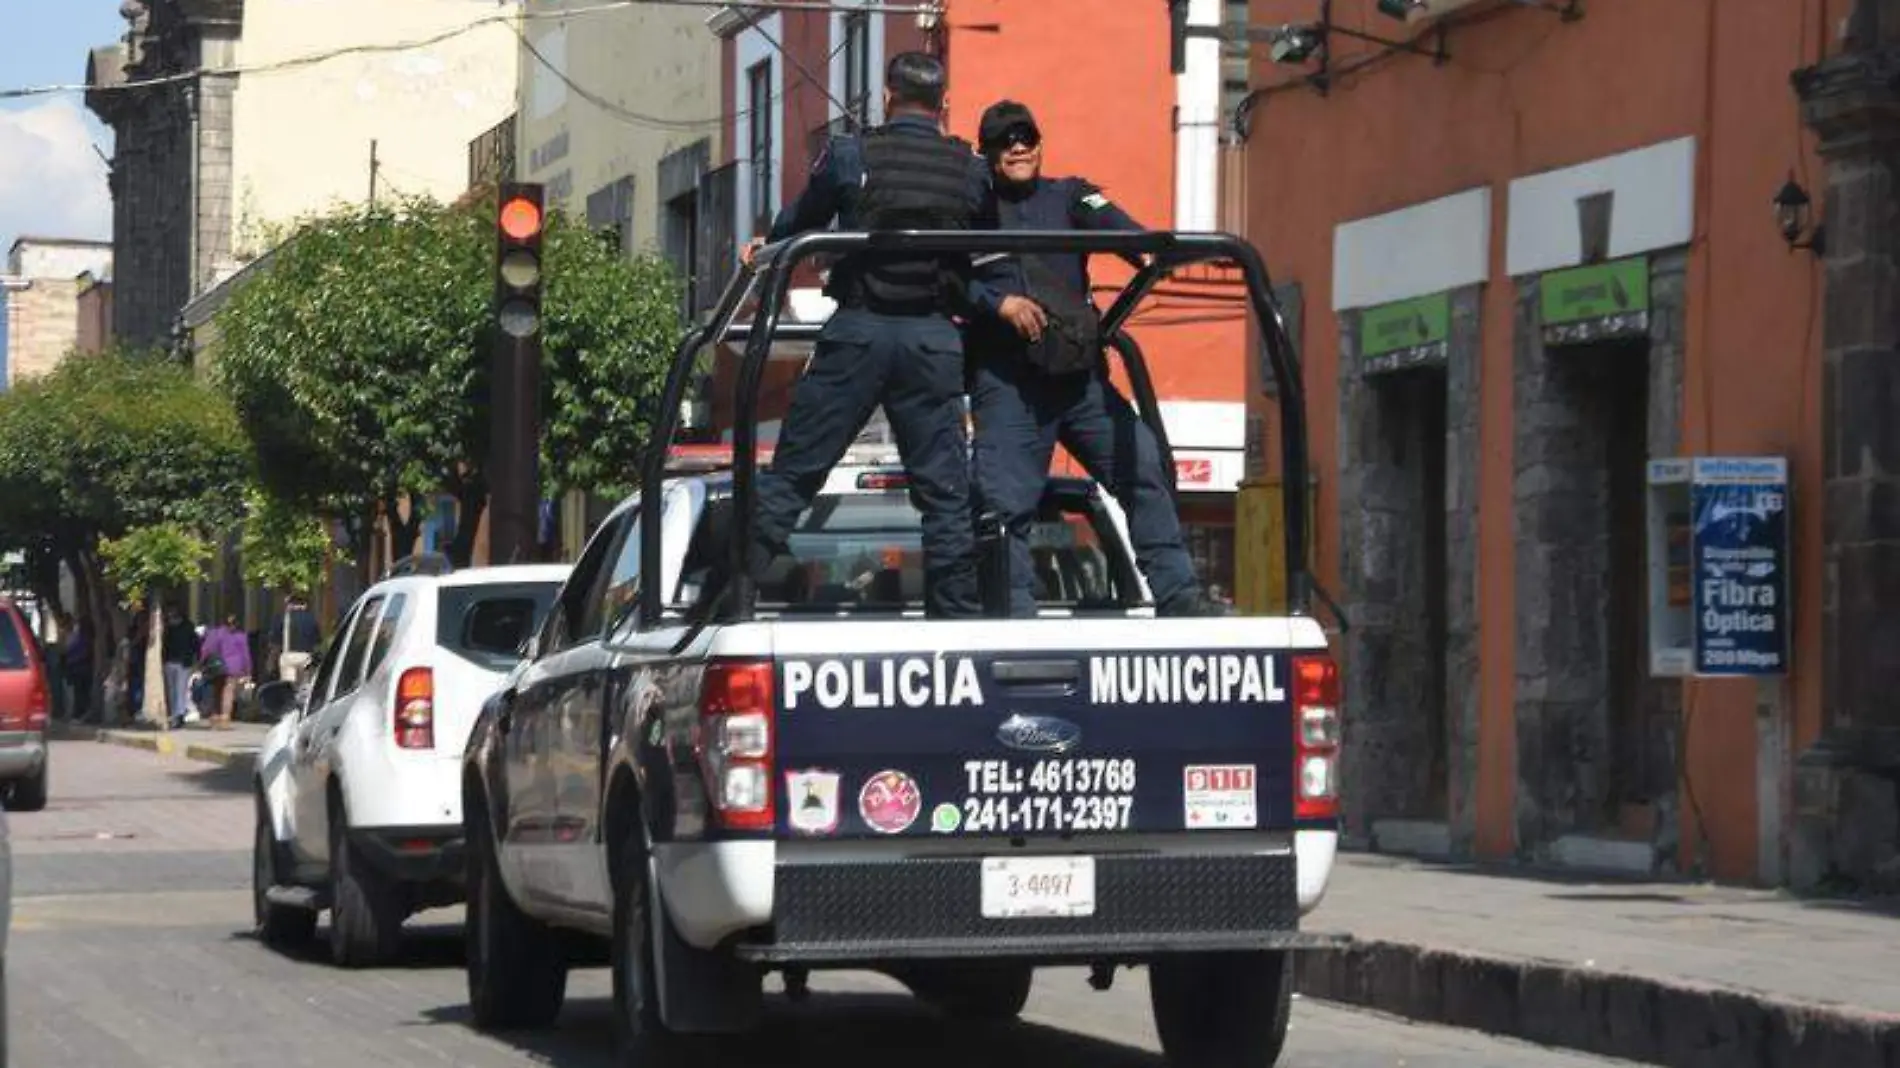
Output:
x,y
1666,973
195,742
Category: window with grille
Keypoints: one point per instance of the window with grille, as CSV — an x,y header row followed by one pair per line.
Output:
x,y
759,107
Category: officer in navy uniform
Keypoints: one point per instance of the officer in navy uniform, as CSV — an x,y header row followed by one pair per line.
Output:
x,y
1028,390
890,342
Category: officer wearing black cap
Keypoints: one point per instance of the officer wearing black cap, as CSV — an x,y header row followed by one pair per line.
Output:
x,y
890,342
1038,375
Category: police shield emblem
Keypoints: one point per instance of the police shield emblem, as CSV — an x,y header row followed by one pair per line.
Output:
x,y
812,801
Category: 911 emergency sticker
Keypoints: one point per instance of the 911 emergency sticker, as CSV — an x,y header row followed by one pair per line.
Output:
x,y
1055,794
1219,796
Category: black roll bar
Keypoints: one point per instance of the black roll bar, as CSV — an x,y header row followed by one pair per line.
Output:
x,y
770,273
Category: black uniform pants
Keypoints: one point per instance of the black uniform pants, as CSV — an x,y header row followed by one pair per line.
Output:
x,y
913,366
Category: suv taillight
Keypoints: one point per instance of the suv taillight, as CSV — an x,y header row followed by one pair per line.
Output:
x,y
415,709
1315,738
734,743
37,701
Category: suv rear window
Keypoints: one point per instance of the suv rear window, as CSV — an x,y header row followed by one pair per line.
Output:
x,y
12,649
865,550
488,623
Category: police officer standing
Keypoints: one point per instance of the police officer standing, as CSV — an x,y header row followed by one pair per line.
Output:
x,y
1038,376
890,341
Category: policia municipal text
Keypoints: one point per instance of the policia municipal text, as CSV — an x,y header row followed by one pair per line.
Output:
x,y
1037,375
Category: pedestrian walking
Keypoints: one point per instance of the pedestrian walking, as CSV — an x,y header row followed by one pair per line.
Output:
x,y
225,659
178,648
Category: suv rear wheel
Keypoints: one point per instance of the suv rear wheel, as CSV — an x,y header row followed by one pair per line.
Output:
x,y
366,912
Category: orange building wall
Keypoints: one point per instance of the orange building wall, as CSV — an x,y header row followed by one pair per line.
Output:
x,y
1524,93
1096,76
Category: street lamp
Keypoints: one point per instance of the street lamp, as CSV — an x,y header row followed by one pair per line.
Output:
x,y
1793,210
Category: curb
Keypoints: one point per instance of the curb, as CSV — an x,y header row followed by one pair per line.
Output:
x,y
154,742
1604,1013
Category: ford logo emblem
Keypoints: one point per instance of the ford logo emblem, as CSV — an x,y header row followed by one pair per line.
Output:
x,y
1038,734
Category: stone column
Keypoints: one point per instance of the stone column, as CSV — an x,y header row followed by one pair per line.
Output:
x,y
1845,803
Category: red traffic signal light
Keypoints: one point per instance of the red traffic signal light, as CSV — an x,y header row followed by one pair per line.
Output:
x,y
521,218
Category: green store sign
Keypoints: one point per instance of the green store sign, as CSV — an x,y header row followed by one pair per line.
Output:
x,y
1405,333
1603,300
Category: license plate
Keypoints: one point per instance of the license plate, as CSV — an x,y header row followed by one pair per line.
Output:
x,y
1015,887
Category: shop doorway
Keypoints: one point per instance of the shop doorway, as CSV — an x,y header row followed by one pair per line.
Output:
x,y
1408,501
1596,733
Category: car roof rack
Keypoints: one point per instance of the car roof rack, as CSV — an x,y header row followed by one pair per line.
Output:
x,y
421,564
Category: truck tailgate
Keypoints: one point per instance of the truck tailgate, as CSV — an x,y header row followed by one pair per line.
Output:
x,y
1036,727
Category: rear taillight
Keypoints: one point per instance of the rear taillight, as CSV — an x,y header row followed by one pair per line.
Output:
x,y
415,709
1315,738
734,744
37,702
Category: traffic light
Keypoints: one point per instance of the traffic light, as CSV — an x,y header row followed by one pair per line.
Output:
x,y
519,222
515,377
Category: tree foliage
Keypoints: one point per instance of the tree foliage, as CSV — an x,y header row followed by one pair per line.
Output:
x,y
357,359
110,442
284,547
153,558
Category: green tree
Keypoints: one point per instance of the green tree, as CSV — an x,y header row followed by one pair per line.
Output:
x,y
357,360
284,548
146,561
106,444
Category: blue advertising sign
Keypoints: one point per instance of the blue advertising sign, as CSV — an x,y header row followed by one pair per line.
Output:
x,y
1739,507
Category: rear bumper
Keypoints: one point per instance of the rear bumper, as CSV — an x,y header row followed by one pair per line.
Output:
x,y
421,854
22,754
823,902
1147,905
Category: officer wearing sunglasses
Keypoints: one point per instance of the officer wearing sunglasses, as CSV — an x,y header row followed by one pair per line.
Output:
x,y
1038,375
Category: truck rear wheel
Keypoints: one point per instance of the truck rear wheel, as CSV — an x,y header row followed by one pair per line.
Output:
x,y
977,991
643,1035
517,966
1222,1010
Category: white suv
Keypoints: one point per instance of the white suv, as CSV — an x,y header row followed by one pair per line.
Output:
x,y
358,784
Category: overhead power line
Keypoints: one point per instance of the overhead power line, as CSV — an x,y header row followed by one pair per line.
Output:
x,y
509,19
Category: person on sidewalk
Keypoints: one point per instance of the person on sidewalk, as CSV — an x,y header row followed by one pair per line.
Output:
x,y
178,648
226,659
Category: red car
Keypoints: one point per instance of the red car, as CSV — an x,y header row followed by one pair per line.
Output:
x,y
25,700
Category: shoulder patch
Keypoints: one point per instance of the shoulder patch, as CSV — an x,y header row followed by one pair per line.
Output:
x,y
1096,201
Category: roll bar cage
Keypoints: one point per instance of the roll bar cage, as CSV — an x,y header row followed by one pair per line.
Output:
x,y
769,275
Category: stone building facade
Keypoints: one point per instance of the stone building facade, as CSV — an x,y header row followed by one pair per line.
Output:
x,y
211,167
44,280
171,167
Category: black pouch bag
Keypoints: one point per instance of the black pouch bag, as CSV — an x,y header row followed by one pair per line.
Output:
x,y
1072,340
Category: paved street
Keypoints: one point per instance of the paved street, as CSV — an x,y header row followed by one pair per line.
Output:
x,y
130,949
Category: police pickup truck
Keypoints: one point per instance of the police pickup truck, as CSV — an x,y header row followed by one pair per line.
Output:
x,y
807,774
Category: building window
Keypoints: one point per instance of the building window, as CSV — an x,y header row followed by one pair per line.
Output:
x,y
857,68
610,214
759,107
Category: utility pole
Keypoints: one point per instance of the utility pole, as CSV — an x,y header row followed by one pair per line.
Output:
x,y
514,395
374,166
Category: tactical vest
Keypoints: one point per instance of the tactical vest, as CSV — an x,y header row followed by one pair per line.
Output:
x,y
911,183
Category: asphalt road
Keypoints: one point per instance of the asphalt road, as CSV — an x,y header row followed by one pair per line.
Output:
x,y
130,947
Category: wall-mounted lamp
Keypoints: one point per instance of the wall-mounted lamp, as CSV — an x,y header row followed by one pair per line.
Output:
x,y
1793,212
